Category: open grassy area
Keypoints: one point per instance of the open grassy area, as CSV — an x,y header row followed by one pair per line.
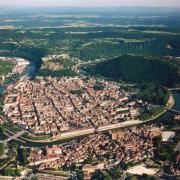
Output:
x,y
57,172
5,67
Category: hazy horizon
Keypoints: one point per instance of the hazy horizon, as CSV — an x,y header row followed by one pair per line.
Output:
x,y
92,3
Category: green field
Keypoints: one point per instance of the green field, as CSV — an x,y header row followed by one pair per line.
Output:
x,y
5,67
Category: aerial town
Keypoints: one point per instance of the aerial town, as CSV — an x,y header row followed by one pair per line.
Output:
x,y
100,117
89,93
57,105
128,145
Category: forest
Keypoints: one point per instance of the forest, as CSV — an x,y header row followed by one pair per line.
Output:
x,y
138,69
158,95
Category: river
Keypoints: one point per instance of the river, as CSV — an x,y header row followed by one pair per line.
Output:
x,y
176,96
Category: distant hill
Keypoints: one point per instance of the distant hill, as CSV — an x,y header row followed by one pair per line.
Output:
x,y
139,69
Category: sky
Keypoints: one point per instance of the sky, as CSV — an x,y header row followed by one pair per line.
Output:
x,y
91,3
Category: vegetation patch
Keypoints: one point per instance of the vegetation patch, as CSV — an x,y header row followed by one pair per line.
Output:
x,y
148,114
11,172
98,87
57,64
57,73
1,103
77,91
2,149
57,172
5,67
138,69
154,94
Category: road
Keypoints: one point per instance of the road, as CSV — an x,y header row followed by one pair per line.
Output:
x,y
89,131
14,137
7,163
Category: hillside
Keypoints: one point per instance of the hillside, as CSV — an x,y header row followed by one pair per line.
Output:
x,y
138,69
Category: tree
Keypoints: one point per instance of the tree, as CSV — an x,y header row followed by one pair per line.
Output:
x,y
106,176
11,172
89,159
22,155
116,173
35,178
124,166
56,73
157,141
2,149
133,178
138,69
154,94
14,147
73,167
2,129
99,175
98,87
145,177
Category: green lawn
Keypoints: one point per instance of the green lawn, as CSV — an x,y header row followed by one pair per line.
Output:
x,y
5,67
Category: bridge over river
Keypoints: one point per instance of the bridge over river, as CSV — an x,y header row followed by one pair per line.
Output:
x,y
173,110
174,89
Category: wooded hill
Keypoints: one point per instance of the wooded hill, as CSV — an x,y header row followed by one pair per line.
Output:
x,y
138,69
